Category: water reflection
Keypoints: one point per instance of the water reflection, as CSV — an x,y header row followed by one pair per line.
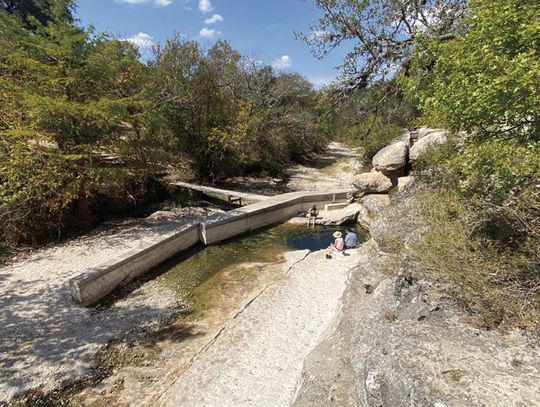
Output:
x,y
189,269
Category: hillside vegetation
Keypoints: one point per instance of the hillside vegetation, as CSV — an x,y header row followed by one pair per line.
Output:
x,y
473,68
86,126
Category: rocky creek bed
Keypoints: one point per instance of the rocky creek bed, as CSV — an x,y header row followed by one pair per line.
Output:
x,y
48,343
279,328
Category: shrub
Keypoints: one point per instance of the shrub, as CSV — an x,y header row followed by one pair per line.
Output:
x,y
371,136
486,256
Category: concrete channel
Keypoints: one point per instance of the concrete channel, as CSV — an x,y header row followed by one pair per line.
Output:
x,y
94,284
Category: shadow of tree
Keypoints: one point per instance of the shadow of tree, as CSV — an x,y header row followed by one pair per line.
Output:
x,y
54,341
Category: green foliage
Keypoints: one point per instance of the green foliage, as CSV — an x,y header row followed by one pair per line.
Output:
x,y
71,99
36,186
85,126
372,135
40,10
367,118
226,117
379,35
486,82
483,237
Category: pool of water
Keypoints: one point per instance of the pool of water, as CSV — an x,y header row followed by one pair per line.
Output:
x,y
186,271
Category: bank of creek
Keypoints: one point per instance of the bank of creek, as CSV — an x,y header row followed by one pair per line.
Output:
x,y
138,340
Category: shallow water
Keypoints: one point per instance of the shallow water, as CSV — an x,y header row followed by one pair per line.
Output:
x,y
183,273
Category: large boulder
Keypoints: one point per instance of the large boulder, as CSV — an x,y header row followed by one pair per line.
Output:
x,y
372,183
425,131
392,157
426,143
375,203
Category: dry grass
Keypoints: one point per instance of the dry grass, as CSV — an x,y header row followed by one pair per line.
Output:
x,y
484,259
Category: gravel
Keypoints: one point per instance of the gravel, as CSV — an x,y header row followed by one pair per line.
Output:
x,y
45,338
338,164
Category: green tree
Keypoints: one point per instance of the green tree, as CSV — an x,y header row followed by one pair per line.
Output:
x,y
486,82
41,10
68,95
225,116
380,34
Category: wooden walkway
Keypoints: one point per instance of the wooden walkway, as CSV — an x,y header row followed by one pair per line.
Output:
x,y
233,196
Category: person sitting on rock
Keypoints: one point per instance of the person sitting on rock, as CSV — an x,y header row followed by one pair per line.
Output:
x,y
351,239
312,215
339,244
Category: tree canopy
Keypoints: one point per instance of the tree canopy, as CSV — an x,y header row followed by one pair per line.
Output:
x,y
84,122
380,34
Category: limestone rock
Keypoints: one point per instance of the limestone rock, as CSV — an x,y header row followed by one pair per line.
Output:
x,y
340,216
162,216
403,182
394,229
405,137
405,344
375,203
371,206
334,217
364,218
392,157
372,183
424,131
427,142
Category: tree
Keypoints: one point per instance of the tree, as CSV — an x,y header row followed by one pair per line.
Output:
x,y
225,116
380,34
40,10
69,99
485,82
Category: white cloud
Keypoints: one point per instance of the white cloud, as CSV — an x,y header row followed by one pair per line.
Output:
x,y
282,62
205,6
216,18
141,40
158,3
208,32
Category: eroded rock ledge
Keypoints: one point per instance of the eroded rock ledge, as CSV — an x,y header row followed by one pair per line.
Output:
x,y
397,342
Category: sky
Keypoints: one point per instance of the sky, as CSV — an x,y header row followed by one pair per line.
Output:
x,y
261,29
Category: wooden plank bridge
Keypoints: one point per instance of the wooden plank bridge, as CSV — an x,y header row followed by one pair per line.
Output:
x,y
232,196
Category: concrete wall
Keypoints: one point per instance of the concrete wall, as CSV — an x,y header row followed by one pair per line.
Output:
x,y
274,210
93,285
96,283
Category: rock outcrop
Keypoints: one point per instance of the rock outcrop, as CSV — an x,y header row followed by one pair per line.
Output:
x,y
335,217
375,203
372,183
399,342
392,157
404,182
427,142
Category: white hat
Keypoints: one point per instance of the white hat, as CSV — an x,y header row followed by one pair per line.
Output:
x,y
337,234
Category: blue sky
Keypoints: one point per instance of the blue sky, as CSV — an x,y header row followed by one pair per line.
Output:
x,y
261,29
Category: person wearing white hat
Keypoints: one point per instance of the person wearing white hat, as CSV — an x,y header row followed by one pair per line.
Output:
x,y
338,244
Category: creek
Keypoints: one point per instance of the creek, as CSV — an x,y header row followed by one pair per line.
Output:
x,y
185,272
